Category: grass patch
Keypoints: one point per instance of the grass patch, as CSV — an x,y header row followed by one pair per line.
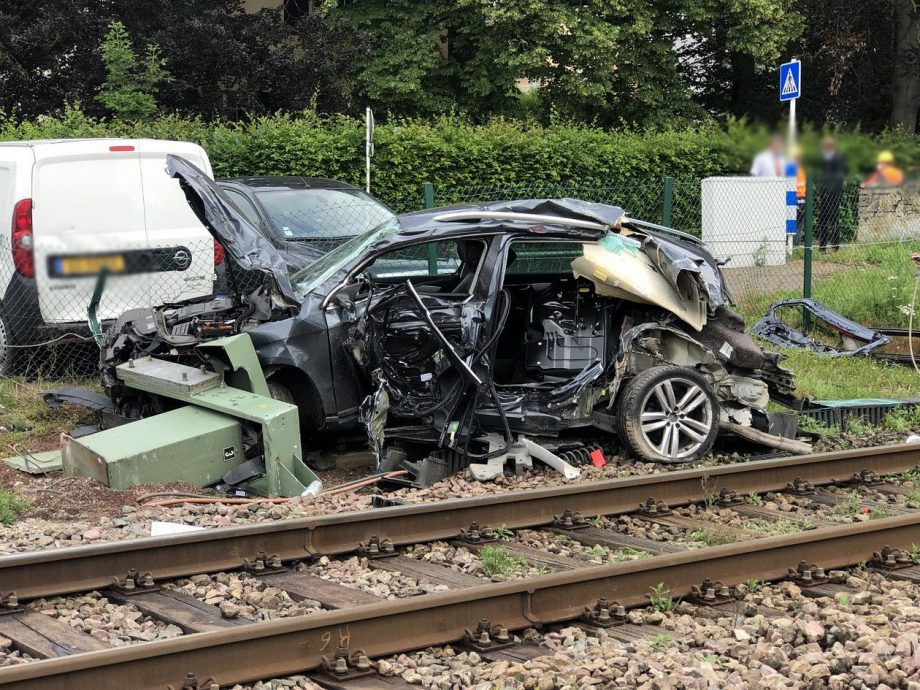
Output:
x,y
497,561
26,420
627,553
902,419
714,536
773,528
841,378
11,507
868,283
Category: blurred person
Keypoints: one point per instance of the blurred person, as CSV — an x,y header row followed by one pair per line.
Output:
x,y
886,174
801,189
830,196
770,162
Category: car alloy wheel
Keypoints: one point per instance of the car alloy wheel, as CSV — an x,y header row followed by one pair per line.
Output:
x,y
676,418
668,414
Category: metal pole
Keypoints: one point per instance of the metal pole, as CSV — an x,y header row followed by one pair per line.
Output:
x,y
667,201
368,147
428,195
807,239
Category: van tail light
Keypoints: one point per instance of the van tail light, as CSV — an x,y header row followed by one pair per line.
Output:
x,y
22,240
219,253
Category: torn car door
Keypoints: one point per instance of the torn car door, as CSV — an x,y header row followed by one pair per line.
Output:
x,y
425,353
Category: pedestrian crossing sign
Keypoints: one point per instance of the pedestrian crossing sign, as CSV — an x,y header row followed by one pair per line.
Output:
x,y
790,80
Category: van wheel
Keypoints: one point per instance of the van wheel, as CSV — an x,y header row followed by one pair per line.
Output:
x,y
10,356
668,414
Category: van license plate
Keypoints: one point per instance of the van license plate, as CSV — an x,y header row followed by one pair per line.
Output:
x,y
88,265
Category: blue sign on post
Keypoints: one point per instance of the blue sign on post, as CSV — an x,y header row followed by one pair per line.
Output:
x,y
790,80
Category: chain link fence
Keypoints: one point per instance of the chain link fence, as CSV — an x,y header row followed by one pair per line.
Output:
x,y
857,261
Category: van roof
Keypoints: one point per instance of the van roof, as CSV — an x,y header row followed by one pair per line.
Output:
x,y
46,142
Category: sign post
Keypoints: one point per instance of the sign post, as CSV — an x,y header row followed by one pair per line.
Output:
x,y
790,88
368,147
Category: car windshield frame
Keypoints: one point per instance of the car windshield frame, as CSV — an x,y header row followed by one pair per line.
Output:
x,y
317,203
311,277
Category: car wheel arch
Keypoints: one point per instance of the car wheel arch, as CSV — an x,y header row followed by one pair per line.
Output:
x,y
303,392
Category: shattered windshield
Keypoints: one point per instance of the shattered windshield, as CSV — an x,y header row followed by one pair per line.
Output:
x,y
322,213
307,279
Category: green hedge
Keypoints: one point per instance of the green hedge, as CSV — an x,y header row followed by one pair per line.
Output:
x,y
454,154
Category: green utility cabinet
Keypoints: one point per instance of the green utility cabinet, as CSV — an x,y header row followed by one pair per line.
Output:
x,y
189,444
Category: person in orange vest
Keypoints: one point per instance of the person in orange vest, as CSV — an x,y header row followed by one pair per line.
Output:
x,y
886,174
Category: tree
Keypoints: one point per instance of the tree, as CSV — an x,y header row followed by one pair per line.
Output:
x,y
906,78
614,61
129,90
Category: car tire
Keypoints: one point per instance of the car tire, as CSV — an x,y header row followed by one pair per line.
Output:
x,y
668,414
280,391
10,356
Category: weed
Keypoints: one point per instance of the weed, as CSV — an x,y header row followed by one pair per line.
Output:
x,y
776,527
503,532
714,536
597,551
812,425
11,507
843,599
627,553
598,521
712,660
661,642
913,498
753,499
660,599
851,506
879,513
860,427
711,498
497,561
913,553
754,585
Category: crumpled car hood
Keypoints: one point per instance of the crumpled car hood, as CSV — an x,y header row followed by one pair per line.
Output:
x,y
245,245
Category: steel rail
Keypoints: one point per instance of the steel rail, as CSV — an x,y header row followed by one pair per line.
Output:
x,y
82,568
296,645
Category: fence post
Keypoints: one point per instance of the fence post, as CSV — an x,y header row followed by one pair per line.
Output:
x,y
428,194
809,235
667,201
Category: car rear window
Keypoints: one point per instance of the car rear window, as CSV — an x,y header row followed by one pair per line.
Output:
x,y
322,213
543,257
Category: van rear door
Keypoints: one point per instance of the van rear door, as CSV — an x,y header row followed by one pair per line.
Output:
x,y
88,212
181,245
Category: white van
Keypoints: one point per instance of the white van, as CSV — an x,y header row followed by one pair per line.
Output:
x,y
70,207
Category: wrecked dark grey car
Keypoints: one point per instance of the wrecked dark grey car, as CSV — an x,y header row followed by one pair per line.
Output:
x,y
456,331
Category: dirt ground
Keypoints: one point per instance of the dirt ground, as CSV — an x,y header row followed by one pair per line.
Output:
x,y
59,498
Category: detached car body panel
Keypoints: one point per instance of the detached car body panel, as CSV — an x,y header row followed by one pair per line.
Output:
x,y
439,327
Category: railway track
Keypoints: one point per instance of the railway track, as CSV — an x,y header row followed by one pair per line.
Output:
x,y
720,503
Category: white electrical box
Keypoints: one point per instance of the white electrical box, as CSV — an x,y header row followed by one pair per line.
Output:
x,y
744,219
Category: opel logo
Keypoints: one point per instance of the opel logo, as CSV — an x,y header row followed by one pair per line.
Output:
x,y
182,259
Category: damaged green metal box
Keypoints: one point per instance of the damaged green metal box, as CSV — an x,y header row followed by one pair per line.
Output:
x,y
190,444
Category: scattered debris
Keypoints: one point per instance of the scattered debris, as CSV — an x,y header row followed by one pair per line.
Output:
x,y
834,335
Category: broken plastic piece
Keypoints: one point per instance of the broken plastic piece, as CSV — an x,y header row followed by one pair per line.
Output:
x,y
522,452
597,458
